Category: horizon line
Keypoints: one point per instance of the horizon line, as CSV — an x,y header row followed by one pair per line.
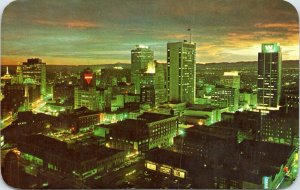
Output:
x,y
199,63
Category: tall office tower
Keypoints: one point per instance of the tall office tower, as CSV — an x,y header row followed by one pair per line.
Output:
x,y
35,69
181,72
141,62
86,94
231,79
269,76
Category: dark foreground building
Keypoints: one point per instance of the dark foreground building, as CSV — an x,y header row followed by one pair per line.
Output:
x,y
254,165
65,165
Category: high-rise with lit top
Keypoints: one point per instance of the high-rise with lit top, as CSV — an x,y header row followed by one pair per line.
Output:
x,y
142,61
181,72
35,69
269,76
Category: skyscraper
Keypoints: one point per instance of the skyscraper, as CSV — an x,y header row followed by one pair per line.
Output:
x,y
269,76
141,62
35,69
181,71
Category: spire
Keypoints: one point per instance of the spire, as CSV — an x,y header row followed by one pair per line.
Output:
x,y
7,71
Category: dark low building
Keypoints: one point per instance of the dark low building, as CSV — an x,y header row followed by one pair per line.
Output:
x,y
150,130
281,127
80,119
252,165
28,123
210,144
66,164
177,166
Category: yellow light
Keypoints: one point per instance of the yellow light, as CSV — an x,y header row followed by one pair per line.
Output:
x,y
151,68
151,166
231,73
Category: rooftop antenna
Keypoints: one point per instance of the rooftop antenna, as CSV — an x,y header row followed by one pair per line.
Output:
x,y
190,30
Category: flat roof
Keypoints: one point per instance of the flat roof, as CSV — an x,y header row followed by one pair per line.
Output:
x,y
152,117
75,153
129,129
170,158
271,153
199,107
83,111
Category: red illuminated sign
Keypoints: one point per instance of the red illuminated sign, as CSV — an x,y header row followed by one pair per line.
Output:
x,y
88,77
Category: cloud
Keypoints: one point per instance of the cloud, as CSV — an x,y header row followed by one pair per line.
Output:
x,y
101,30
69,24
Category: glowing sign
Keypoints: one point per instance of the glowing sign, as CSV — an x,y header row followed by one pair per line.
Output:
x,y
88,77
270,48
266,182
178,173
165,170
151,166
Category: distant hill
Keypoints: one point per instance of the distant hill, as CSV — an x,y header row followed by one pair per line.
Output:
x,y
222,65
246,64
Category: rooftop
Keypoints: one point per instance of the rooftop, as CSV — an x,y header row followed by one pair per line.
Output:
x,y
198,107
129,129
83,111
152,117
174,159
63,150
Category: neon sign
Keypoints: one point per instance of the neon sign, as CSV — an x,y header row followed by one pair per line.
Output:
x,y
88,77
270,48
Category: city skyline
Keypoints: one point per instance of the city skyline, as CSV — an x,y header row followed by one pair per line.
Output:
x,y
62,32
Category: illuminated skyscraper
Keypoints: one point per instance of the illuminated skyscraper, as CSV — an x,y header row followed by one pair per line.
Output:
x,y
181,72
141,62
269,76
35,69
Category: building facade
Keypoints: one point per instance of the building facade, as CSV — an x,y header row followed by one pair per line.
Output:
x,y
231,79
141,62
86,94
226,97
181,72
269,76
148,131
35,69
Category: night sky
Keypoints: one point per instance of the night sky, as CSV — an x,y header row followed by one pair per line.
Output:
x,y
104,31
